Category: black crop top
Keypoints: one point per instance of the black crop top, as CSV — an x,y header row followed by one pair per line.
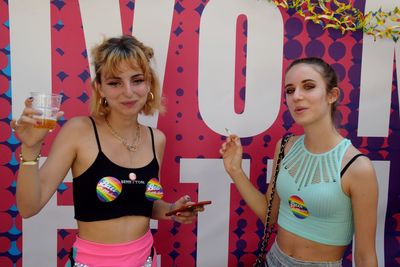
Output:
x,y
105,191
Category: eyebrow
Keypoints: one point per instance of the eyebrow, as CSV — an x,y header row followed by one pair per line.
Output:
x,y
307,80
137,75
303,81
116,77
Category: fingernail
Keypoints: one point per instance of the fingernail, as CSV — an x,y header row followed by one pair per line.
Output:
x,y
187,198
30,98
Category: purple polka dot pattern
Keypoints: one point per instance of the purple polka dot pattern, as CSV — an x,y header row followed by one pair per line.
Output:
x,y
292,49
315,48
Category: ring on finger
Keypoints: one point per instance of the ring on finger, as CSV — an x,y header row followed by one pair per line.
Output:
x,y
15,126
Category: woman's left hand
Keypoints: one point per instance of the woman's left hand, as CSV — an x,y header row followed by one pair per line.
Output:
x,y
185,217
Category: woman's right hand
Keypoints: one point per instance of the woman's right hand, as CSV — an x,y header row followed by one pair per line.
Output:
x,y
231,152
24,126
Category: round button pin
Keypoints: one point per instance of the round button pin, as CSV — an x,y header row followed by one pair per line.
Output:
x,y
132,176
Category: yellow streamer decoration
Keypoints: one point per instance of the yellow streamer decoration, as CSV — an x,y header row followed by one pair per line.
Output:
x,y
344,17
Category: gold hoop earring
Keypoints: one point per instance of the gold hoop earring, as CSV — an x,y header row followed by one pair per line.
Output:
x,y
151,96
103,102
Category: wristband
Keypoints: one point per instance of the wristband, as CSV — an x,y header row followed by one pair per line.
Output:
x,y
29,162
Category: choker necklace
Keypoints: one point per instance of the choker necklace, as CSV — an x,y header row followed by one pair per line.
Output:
x,y
131,147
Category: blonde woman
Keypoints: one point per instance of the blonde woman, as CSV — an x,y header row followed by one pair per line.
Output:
x,y
114,160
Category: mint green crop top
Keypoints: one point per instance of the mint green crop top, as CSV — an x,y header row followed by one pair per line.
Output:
x,y
312,202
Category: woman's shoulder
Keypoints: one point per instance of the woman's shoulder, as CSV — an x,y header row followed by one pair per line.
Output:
x,y
359,165
78,121
74,132
291,138
360,177
290,142
352,152
77,125
159,136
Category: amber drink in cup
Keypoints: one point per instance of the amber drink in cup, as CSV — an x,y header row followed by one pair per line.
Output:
x,y
49,105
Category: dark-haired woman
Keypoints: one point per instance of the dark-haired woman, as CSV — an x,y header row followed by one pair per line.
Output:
x,y
326,190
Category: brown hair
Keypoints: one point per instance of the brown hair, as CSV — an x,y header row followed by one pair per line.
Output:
x,y
326,71
108,57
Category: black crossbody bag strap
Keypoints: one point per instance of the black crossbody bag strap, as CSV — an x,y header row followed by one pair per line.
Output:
x,y
267,229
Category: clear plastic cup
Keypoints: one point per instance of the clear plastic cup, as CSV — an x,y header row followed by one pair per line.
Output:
x,y
49,105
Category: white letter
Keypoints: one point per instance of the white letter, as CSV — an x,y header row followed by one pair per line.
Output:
x,y
152,26
30,47
217,66
382,169
39,246
100,19
376,78
214,185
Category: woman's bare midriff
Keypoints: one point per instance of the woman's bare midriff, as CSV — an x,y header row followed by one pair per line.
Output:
x,y
119,230
307,250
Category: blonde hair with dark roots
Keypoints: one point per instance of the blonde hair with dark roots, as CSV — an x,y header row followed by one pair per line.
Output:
x,y
108,57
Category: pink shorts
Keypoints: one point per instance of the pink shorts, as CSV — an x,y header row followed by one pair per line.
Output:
x,y
130,254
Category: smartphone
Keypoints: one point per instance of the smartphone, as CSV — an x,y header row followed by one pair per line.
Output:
x,y
188,207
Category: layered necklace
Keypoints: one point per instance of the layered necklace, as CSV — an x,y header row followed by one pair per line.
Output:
x,y
131,147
